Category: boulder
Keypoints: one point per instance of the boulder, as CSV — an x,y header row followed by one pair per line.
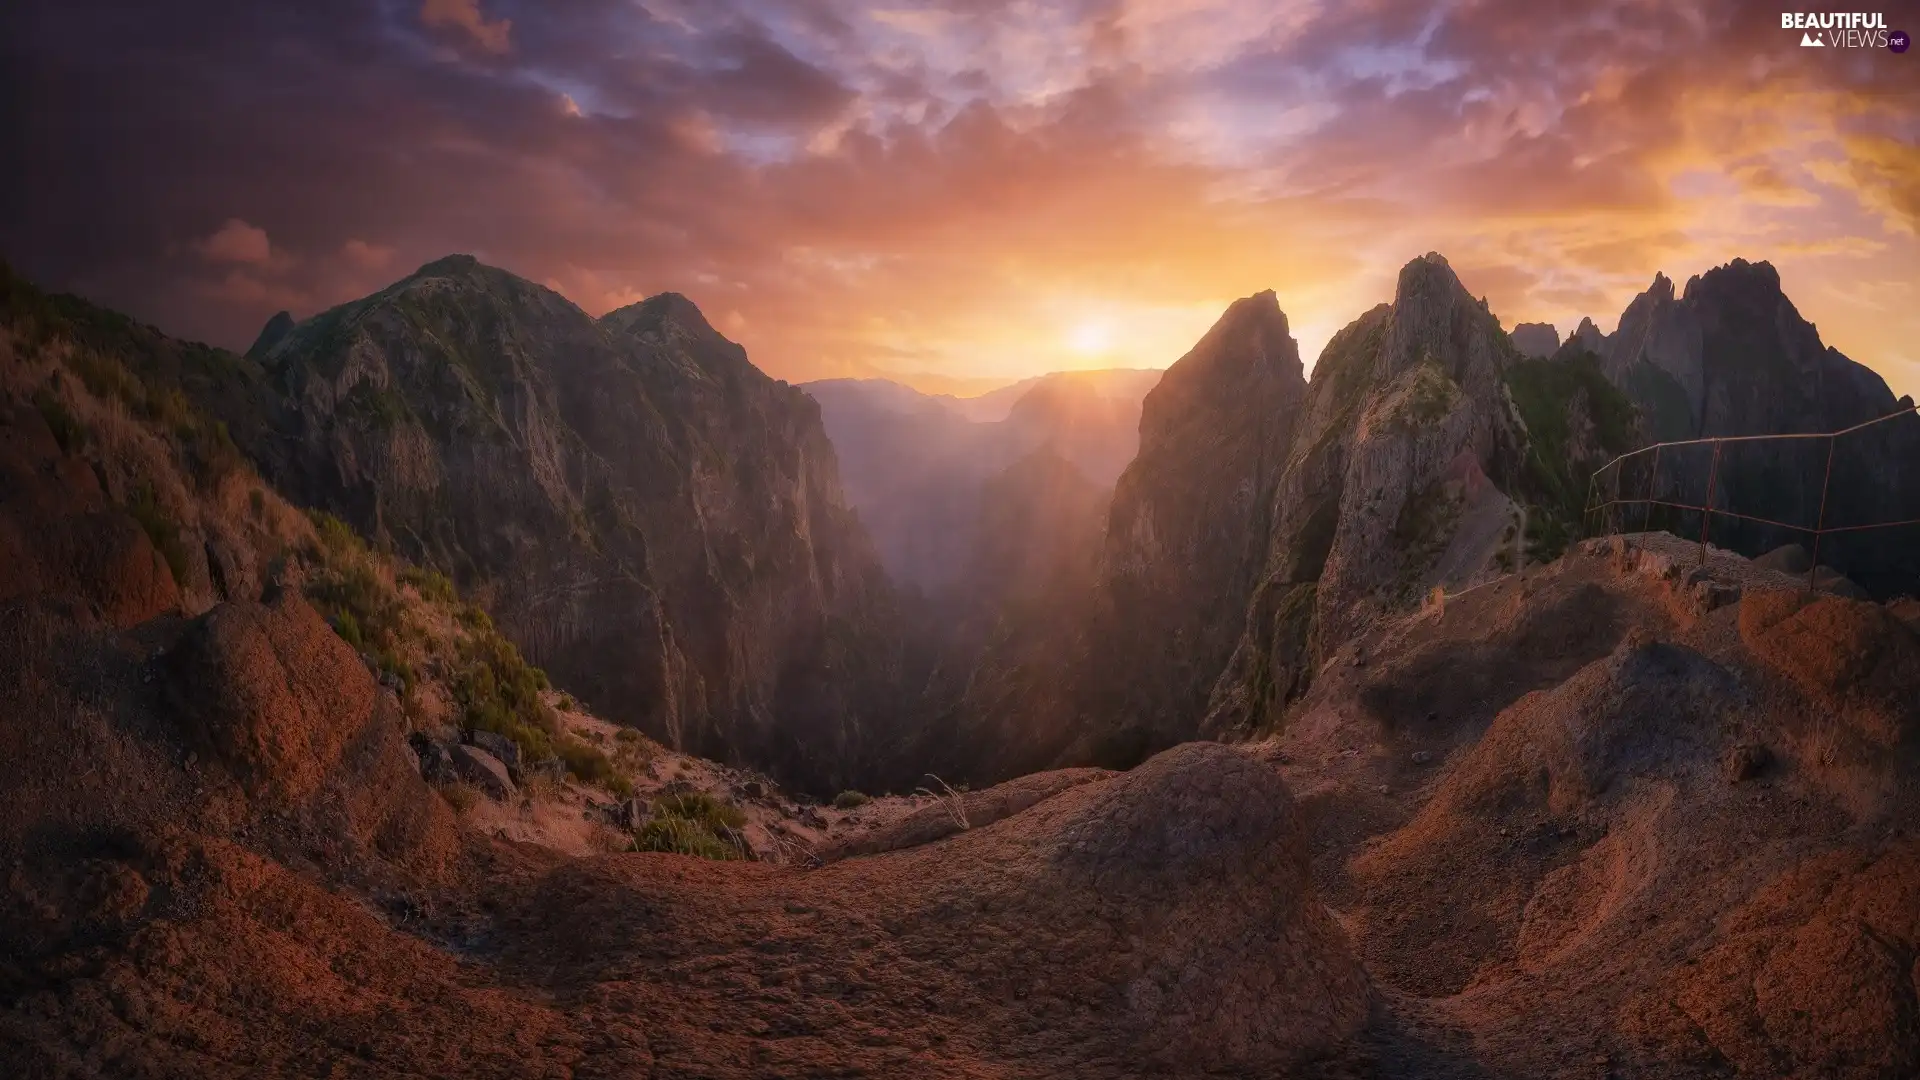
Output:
x,y
436,765
500,747
1785,559
1745,761
483,771
271,691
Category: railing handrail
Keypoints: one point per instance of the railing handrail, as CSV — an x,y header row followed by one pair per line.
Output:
x,y
1707,510
1708,439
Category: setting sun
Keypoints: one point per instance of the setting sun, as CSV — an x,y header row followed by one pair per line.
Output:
x,y
1091,337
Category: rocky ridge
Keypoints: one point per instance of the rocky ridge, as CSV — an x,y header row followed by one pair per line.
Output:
x,y
638,507
1426,452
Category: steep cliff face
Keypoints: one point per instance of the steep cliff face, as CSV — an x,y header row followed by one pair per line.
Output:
x,y
1187,530
1741,354
651,517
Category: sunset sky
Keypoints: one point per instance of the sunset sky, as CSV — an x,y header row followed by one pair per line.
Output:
x,y
960,190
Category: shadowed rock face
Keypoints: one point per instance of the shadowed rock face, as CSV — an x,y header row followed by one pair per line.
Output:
x,y
1730,355
645,513
1185,532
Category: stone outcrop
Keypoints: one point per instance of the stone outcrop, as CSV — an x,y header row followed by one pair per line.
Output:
x,y
1538,340
644,512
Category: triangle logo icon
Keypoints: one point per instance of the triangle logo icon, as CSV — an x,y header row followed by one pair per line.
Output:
x,y
1808,40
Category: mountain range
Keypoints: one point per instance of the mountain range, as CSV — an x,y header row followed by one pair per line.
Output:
x,y
459,684
852,583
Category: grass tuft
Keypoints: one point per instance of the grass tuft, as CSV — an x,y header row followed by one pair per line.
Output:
x,y
161,529
694,823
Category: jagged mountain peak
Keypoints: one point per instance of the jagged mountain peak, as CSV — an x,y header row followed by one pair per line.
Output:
x,y
670,318
1248,355
449,266
1436,319
1255,319
658,312
272,334
1759,276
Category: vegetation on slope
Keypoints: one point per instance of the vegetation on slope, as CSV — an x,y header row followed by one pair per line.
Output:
x,y
1553,396
133,402
1662,401
693,823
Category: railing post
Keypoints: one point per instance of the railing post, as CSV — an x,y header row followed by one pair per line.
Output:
x,y
1653,478
1706,509
1820,523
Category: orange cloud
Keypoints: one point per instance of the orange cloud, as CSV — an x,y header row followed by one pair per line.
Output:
x,y
237,242
491,35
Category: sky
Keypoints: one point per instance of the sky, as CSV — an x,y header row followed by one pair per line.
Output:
x,y
958,193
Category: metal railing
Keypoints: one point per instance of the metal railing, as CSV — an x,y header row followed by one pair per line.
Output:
x,y
1707,510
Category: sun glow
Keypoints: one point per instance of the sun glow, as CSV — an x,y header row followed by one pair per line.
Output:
x,y
1091,337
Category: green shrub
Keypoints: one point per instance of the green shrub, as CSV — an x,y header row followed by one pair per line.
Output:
x,y
337,538
700,806
349,630
430,584
847,800
498,691
354,590
566,703
161,529
257,502
107,378
586,761
209,451
68,430
392,663
473,618
169,407
693,823
682,836
627,735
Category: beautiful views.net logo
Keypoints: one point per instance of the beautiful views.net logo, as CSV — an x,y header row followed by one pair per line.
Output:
x,y
1844,30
